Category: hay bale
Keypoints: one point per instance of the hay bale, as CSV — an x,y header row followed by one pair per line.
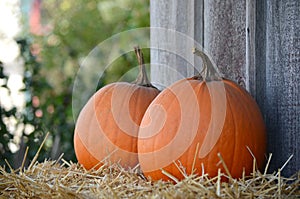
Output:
x,y
54,179
62,179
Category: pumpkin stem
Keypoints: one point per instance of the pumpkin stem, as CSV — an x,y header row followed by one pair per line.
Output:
x,y
209,71
142,78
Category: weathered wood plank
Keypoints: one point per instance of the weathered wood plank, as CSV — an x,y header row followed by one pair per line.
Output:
x,y
255,43
260,54
174,60
282,102
250,28
225,37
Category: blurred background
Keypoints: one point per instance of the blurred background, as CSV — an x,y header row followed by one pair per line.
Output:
x,y
42,44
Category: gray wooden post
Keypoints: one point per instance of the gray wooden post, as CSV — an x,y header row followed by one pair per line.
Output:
x,y
255,43
281,101
169,63
225,37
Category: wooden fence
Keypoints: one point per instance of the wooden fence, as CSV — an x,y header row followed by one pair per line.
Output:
x,y
255,43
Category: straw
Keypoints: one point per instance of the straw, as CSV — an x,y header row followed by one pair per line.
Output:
x,y
65,179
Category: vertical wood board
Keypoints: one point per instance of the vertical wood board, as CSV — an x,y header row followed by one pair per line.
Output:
x,y
282,102
171,52
255,43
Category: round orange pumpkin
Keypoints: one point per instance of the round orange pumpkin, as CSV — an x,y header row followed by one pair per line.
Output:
x,y
108,124
196,122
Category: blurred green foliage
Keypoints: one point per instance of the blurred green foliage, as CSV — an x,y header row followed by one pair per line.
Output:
x,y
71,30
5,136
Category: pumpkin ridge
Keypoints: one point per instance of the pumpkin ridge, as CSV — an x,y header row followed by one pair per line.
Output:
x,y
229,106
113,139
98,103
218,148
198,88
168,107
91,158
249,114
138,100
202,90
253,111
237,91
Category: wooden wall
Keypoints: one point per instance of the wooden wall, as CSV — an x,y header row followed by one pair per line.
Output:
x,y
255,43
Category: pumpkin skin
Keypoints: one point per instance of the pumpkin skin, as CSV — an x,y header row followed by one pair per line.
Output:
x,y
107,126
175,130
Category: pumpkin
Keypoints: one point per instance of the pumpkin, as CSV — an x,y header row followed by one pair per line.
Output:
x,y
107,126
200,125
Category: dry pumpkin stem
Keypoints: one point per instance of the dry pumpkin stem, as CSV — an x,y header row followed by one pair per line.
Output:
x,y
209,71
142,78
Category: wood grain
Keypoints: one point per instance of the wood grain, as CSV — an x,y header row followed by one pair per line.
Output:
x,y
171,52
282,100
255,43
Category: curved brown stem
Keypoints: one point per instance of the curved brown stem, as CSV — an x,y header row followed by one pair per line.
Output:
x,y
209,71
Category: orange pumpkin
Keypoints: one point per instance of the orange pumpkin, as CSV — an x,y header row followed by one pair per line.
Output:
x,y
108,124
196,122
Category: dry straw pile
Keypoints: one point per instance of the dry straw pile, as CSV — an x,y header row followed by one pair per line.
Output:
x,y
62,179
